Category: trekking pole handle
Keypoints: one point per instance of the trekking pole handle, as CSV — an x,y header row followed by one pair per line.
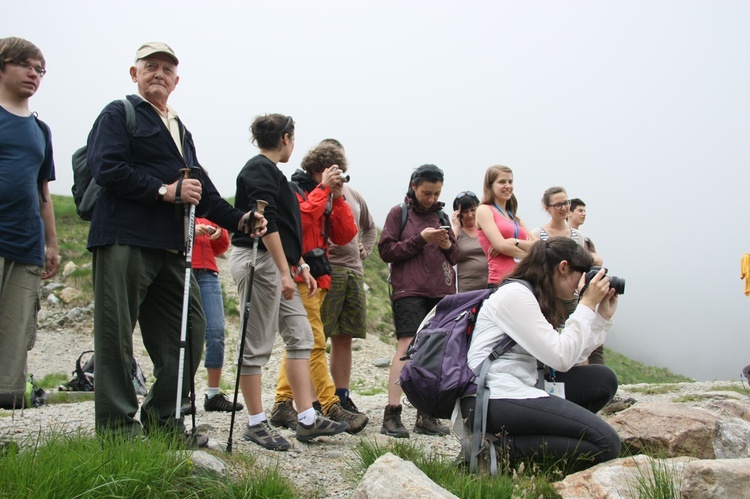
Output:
x,y
260,207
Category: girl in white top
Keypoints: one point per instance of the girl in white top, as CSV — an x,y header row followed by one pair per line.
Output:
x,y
531,423
556,203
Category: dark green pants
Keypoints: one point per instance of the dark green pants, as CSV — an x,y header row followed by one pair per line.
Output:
x,y
145,285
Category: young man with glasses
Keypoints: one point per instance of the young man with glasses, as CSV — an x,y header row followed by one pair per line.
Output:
x,y
28,242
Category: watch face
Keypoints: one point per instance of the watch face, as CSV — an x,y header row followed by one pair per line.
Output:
x,y
162,190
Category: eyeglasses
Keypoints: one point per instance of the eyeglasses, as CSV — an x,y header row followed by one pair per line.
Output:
x,y
37,69
463,194
559,206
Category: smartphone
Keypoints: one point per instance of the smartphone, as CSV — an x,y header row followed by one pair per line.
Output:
x,y
445,227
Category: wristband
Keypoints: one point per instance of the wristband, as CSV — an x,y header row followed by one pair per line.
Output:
x,y
302,267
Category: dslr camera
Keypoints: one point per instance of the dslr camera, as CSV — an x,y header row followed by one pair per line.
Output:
x,y
618,283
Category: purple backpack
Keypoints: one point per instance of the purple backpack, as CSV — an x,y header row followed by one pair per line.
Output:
x,y
436,373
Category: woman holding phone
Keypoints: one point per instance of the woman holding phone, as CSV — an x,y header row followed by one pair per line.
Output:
x,y
421,249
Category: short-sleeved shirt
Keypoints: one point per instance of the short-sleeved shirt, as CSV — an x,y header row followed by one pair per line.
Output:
x,y
25,162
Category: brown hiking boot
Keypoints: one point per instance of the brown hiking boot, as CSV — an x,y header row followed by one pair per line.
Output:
x,y
283,414
428,425
392,425
357,422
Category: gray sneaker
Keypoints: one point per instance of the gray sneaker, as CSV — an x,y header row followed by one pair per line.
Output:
x,y
321,427
284,415
357,422
265,436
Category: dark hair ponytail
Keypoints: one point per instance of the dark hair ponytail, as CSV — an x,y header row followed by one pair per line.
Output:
x,y
268,130
539,267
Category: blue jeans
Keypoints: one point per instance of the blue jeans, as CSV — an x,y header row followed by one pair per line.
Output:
x,y
213,307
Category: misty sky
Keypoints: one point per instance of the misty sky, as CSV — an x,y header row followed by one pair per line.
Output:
x,y
641,108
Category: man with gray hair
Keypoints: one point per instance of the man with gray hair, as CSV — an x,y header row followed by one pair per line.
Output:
x,y
28,242
138,240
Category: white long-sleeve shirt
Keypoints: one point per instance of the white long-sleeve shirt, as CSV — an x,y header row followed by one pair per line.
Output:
x,y
513,310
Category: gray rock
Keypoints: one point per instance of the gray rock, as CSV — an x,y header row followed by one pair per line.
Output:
x,y
721,478
382,362
74,314
69,294
53,300
204,462
732,439
390,477
69,268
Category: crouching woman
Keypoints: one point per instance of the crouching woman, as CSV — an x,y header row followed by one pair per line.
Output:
x,y
530,423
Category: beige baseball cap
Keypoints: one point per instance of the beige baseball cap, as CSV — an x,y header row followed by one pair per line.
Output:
x,y
151,48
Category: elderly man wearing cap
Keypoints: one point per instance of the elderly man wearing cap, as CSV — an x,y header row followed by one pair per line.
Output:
x,y
137,238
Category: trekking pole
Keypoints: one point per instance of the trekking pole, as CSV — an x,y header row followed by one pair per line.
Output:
x,y
190,236
259,208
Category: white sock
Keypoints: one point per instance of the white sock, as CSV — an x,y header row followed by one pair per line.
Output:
x,y
256,419
306,417
212,391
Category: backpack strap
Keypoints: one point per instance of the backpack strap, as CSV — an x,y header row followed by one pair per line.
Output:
x,y
405,211
483,395
129,115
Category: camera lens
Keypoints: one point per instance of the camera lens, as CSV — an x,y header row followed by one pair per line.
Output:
x,y
618,283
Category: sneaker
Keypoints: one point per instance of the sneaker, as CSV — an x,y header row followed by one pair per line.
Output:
x,y
195,440
186,409
356,422
321,427
349,405
428,425
392,425
617,404
265,436
220,403
284,415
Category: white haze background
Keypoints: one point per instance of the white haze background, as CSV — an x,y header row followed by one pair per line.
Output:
x,y
641,108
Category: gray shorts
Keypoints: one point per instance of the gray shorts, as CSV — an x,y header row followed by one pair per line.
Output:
x,y
19,304
269,312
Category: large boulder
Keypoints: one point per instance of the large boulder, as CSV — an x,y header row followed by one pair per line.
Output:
x,y
390,477
721,478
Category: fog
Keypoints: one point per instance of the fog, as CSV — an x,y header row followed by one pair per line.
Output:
x,y
639,108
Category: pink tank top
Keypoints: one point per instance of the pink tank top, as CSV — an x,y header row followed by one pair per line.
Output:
x,y
501,265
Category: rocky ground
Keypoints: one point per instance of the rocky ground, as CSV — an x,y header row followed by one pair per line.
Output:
x,y
322,468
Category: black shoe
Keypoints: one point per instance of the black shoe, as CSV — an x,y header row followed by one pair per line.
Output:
x,y
265,436
350,406
220,403
322,426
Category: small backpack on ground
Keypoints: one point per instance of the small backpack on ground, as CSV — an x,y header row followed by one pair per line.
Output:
x,y
85,189
436,373
83,376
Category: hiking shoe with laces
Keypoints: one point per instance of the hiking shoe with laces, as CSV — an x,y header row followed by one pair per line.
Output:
x,y
356,422
428,425
349,405
392,425
284,415
321,427
265,436
220,403
195,440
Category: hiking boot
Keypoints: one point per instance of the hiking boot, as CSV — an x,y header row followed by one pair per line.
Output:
x,y
321,427
392,425
284,415
348,405
357,422
220,403
428,425
186,409
265,436
617,404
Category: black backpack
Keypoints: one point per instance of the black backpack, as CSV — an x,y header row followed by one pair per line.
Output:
x,y
85,189
83,376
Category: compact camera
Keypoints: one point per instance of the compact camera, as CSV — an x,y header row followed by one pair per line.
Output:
x,y
344,177
618,283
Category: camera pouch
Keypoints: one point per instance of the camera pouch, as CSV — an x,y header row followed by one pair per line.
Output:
x,y
318,261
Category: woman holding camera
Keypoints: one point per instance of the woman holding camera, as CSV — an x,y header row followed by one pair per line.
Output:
x,y
325,215
472,261
502,234
528,421
420,247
